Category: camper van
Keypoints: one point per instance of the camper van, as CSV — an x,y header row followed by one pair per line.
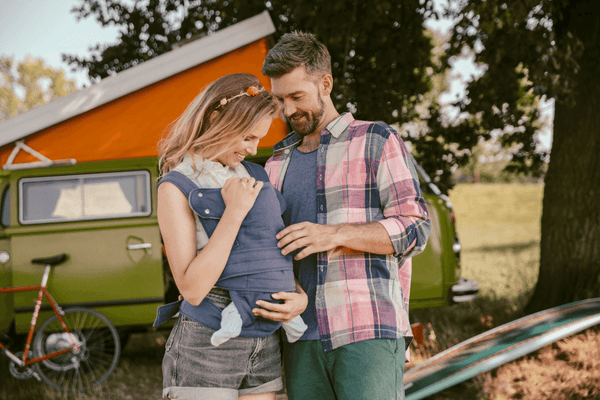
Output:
x,y
80,176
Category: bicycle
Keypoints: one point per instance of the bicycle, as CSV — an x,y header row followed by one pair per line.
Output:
x,y
73,350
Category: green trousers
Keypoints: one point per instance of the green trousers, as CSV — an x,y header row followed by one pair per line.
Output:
x,y
366,370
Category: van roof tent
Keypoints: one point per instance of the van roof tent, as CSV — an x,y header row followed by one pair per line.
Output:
x,y
124,116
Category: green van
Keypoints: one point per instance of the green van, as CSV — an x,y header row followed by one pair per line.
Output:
x,y
103,216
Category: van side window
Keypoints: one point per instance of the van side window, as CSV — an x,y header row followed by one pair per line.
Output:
x,y
84,197
5,221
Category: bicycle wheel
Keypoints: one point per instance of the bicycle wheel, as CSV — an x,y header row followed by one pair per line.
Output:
x,y
79,369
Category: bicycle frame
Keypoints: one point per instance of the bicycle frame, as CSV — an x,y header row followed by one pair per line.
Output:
x,y
43,291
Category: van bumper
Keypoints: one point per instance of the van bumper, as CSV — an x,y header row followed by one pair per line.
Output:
x,y
464,290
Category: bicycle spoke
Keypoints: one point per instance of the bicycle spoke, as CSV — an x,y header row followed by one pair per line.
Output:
x,y
62,377
76,378
91,370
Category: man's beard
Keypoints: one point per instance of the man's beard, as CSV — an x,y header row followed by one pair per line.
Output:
x,y
311,120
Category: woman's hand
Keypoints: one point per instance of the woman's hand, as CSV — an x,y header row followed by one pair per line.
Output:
x,y
239,195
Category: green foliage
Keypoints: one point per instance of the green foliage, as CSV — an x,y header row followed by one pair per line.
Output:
x,y
386,66
384,62
529,48
28,84
380,51
526,53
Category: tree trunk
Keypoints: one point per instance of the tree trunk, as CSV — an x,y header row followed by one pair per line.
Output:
x,y
570,242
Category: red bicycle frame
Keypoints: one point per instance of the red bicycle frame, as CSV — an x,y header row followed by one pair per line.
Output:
x,y
36,312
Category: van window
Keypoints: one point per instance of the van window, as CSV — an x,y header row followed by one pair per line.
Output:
x,y
84,197
6,208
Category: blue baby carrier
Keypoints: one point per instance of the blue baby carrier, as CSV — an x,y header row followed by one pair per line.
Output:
x,y
255,268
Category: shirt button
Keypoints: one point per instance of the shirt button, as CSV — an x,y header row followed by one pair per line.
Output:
x,y
207,211
200,194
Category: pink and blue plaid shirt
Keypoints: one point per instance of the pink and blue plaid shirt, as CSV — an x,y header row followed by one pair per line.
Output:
x,y
364,174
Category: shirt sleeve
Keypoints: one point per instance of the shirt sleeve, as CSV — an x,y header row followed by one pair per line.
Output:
x,y
404,209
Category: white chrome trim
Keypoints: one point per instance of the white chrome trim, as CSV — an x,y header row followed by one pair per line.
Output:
x,y
43,160
463,299
139,246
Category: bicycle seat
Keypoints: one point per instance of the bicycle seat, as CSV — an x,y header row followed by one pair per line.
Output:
x,y
54,260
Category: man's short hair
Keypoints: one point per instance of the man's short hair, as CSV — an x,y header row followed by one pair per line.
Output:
x,y
297,49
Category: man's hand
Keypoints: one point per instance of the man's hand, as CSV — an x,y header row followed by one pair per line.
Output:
x,y
294,304
313,237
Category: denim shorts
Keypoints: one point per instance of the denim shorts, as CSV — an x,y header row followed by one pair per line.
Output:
x,y
194,369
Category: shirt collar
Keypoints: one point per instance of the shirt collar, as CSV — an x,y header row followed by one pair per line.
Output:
x,y
340,124
335,128
290,140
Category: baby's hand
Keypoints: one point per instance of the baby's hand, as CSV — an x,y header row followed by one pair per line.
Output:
x,y
239,194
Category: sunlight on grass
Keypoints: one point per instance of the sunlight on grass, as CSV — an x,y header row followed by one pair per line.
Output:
x,y
497,214
499,230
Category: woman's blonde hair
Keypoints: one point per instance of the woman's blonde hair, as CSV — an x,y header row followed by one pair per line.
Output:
x,y
208,128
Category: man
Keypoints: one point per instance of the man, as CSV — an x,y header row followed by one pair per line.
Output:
x,y
355,215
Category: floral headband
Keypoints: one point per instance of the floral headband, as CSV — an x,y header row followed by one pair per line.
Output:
x,y
251,91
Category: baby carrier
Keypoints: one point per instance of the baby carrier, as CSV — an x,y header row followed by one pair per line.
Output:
x,y
255,268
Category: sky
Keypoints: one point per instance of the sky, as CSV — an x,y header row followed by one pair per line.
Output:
x,y
47,29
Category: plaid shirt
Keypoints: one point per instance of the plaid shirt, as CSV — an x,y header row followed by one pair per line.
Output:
x,y
364,174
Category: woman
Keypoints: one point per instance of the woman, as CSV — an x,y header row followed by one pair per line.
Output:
x,y
210,231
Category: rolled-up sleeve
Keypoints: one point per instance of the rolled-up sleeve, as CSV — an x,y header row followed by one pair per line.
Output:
x,y
404,209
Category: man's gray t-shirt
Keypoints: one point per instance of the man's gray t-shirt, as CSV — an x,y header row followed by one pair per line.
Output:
x,y
300,193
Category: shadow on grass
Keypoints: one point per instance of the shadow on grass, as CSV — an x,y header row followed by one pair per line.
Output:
x,y
146,347
514,247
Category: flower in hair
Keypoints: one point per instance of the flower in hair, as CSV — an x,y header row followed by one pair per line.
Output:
x,y
252,91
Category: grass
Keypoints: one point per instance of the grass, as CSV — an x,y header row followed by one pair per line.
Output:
x,y
499,230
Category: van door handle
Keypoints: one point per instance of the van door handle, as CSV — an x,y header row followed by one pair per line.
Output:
x,y
139,246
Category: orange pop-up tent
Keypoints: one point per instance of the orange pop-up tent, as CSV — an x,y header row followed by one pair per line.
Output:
x,y
125,115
